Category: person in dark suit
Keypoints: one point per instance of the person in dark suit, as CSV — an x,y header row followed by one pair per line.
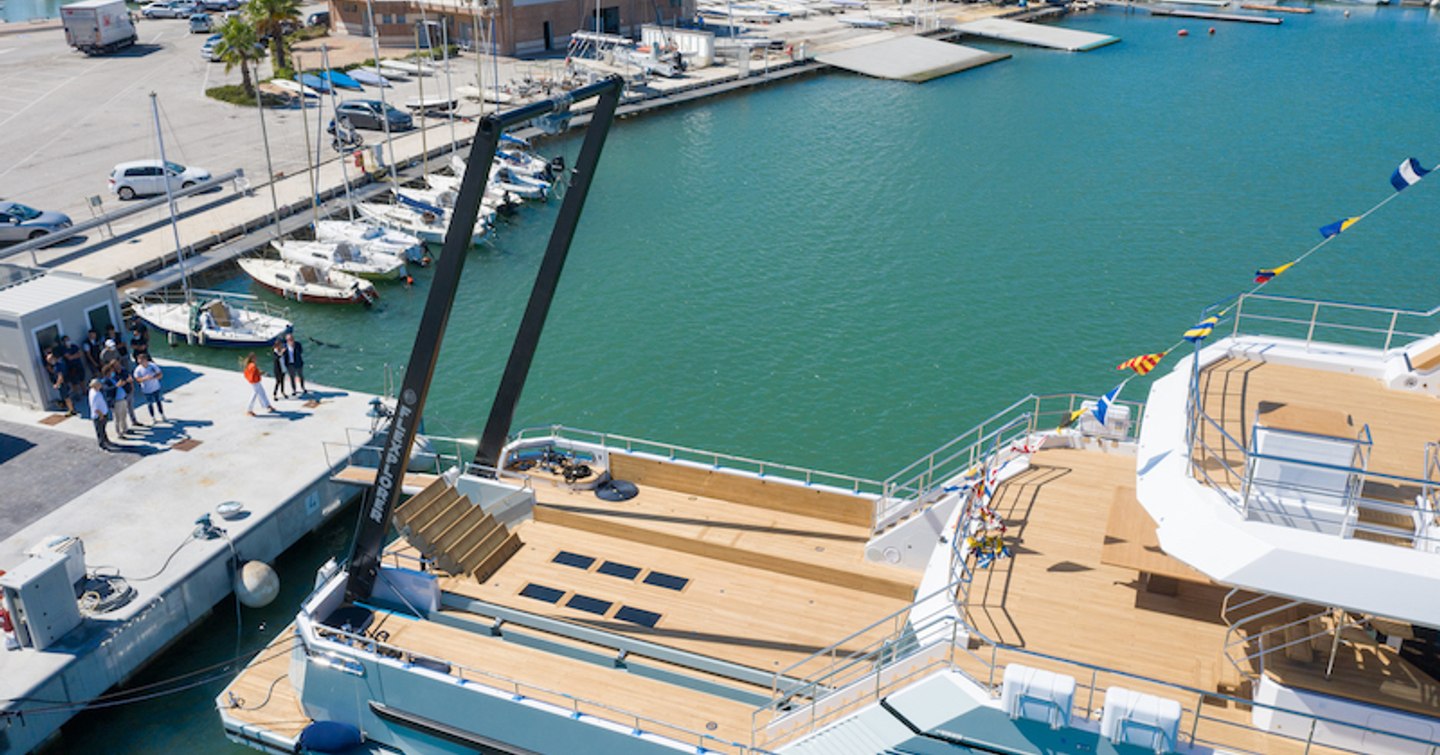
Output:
x,y
294,360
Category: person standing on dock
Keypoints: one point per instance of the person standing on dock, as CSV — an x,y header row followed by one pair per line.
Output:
x,y
92,348
295,364
139,343
254,378
117,394
278,368
99,414
149,375
56,366
74,365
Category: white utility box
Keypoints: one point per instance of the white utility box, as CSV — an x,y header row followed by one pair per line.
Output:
x,y
72,548
41,600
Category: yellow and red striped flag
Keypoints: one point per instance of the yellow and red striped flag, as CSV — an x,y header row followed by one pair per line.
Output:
x,y
1142,364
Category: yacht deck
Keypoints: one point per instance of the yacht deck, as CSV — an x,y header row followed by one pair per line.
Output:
x,y
263,695
1061,593
1237,392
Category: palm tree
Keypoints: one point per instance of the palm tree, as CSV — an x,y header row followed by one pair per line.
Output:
x,y
270,18
240,46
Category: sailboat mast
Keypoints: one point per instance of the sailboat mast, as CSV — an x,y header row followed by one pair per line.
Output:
x,y
305,129
170,201
339,141
270,166
449,89
384,106
420,79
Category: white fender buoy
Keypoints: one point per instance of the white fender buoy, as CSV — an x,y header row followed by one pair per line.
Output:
x,y
257,584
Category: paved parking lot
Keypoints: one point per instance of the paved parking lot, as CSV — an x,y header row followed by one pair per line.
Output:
x,y
67,119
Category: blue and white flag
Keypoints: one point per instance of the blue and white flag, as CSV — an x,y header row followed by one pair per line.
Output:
x,y
1408,174
1102,407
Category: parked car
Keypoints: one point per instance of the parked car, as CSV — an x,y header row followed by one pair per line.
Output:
x,y
169,9
200,23
321,18
19,222
130,180
372,115
207,50
219,5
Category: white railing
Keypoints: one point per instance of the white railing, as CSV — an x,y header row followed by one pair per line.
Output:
x,y
1340,322
363,448
924,480
714,459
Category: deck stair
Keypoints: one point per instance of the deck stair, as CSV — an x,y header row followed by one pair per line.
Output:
x,y
456,534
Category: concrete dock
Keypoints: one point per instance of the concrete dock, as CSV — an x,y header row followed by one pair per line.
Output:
x,y
909,58
135,508
1035,35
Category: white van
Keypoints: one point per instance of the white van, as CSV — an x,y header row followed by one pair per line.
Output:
x,y
130,180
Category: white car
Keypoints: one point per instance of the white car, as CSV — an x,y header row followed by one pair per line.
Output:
x,y
170,9
130,180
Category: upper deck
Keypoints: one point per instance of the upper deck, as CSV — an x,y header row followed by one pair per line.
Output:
x,y
1316,463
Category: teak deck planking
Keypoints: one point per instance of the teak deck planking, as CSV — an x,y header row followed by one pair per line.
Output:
x,y
1401,423
758,618
268,700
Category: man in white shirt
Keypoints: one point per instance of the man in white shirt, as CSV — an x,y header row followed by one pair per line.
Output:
x,y
100,414
148,375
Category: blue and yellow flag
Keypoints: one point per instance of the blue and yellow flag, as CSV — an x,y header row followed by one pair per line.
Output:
x,y
1264,274
1335,228
1201,330
1102,407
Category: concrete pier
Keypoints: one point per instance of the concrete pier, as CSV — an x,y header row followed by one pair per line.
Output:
x,y
136,508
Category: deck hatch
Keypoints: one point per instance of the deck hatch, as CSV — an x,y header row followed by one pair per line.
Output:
x,y
667,581
542,593
623,571
573,559
588,604
638,616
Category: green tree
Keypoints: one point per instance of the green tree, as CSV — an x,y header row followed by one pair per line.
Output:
x,y
239,45
270,18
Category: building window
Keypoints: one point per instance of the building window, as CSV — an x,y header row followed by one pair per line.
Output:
x,y
400,18
385,18
99,317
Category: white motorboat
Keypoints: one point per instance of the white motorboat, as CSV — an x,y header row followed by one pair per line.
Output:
x,y
308,283
344,256
428,226
214,319
435,103
372,238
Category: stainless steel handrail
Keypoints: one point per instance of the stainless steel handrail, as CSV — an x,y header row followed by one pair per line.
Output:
x,y
859,485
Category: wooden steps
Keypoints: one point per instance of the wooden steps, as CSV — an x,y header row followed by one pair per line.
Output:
x,y
462,539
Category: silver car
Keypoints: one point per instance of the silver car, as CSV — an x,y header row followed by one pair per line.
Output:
x,y
19,222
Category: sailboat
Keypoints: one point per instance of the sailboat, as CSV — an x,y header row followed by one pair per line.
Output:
x,y
210,318
309,283
372,238
344,256
425,222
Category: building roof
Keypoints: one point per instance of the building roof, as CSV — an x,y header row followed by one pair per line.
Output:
x,y
45,290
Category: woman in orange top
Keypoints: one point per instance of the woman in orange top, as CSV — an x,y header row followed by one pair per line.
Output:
x,y
253,377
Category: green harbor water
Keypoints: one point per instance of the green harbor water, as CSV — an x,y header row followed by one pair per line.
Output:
x,y
843,273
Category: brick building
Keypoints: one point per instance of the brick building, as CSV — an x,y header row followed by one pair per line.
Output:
x,y
522,27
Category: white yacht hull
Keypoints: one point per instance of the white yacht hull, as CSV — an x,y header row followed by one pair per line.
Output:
x,y
372,238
